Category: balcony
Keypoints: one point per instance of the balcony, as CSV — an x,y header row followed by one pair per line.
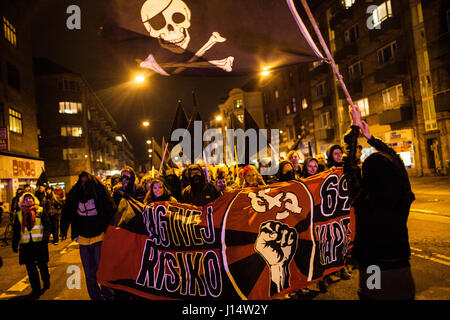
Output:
x,y
401,112
321,102
354,88
440,48
385,29
325,134
322,69
341,16
442,102
390,70
349,50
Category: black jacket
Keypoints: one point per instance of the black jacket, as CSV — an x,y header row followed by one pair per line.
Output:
x,y
199,196
87,226
382,197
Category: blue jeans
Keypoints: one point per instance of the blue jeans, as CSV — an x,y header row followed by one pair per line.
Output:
x,y
90,257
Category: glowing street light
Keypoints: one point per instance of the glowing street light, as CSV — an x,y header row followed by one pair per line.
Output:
x,y
150,150
149,141
139,78
219,118
145,123
266,71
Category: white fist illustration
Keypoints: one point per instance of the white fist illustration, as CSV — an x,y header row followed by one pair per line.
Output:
x,y
277,243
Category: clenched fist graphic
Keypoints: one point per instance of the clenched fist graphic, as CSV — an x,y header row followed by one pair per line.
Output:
x,y
277,243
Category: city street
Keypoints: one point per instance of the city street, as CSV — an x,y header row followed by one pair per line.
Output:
x,y
429,229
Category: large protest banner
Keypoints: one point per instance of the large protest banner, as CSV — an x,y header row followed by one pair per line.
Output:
x,y
254,243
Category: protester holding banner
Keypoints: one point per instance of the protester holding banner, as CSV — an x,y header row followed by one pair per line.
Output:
x,y
285,171
199,192
310,167
29,228
334,156
88,209
294,158
158,192
128,187
381,195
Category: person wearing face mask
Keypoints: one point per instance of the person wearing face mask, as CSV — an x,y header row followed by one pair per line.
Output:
x,y
158,192
199,192
310,167
221,182
334,156
128,187
28,240
286,171
88,210
173,183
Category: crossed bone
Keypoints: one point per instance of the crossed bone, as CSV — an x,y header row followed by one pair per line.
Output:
x,y
225,64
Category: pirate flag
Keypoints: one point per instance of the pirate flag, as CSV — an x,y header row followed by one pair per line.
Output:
x,y
209,37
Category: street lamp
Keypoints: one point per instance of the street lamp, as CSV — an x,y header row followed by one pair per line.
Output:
x,y
145,123
139,78
266,71
219,118
149,141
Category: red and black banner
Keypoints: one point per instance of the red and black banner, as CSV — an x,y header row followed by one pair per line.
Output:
x,y
254,243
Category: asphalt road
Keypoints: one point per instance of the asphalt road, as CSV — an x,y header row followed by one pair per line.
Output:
x,y
428,225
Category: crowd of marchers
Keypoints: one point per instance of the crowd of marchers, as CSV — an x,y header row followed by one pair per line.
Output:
x,y
379,189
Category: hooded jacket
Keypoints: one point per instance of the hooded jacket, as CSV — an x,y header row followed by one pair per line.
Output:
x,y
133,190
288,176
330,160
92,224
199,192
381,195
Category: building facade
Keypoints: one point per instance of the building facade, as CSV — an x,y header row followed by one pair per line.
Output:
x,y
77,133
20,163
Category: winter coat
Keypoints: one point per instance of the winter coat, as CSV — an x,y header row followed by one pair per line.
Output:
x,y
199,195
87,226
382,198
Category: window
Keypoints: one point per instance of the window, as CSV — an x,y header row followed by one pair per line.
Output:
x,y
381,13
288,110
9,32
351,34
15,121
69,107
69,85
13,76
363,106
391,96
355,71
238,103
324,120
74,154
71,131
276,94
347,3
429,113
304,103
294,105
320,89
387,53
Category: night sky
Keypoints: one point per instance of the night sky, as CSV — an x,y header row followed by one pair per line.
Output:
x,y
85,52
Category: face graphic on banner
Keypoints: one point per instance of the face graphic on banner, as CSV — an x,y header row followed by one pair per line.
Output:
x,y
169,22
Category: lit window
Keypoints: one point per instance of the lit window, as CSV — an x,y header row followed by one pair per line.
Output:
x,y
363,106
238,103
347,3
15,121
71,131
391,96
74,154
304,103
288,110
10,32
294,105
381,13
70,107
276,94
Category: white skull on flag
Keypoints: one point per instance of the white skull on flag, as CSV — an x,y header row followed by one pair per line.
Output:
x,y
168,21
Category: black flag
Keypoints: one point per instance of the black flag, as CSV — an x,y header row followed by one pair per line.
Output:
x,y
209,37
42,180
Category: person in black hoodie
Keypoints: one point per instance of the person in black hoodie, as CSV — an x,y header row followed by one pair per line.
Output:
x,y
173,183
128,187
89,210
334,156
199,192
381,195
285,171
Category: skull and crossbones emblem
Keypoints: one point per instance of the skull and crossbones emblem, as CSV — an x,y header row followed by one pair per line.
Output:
x,y
169,22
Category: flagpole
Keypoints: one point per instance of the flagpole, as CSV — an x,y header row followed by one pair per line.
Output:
x,y
206,166
162,161
327,51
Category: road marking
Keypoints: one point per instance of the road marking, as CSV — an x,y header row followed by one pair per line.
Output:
x,y
16,288
66,249
442,256
424,211
431,259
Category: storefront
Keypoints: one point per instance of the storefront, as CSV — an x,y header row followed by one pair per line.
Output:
x,y
402,142
17,172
